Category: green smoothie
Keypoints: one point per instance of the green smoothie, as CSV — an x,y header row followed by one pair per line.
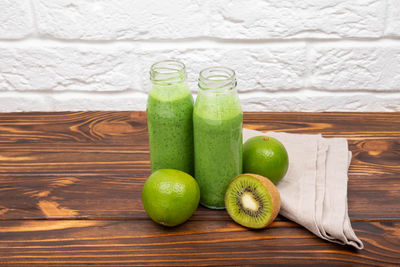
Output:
x,y
170,126
217,121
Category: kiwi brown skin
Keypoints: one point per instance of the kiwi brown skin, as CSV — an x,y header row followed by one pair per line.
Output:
x,y
275,197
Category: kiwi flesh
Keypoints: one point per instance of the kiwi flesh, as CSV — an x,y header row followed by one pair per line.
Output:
x,y
252,200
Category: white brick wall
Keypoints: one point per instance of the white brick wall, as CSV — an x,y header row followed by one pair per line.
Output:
x,y
310,55
16,19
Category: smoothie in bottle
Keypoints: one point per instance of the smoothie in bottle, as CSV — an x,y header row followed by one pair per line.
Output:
x,y
217,124
169,118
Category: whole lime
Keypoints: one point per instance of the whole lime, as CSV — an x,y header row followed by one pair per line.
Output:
x,y
170,197
265,156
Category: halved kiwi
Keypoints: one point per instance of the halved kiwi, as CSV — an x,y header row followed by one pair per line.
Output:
x,y
252,200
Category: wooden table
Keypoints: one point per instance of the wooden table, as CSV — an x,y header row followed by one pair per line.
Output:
x,y
70,194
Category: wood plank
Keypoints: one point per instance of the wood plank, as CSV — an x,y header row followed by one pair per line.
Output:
x,y
78,161
129,128
88,196
370,156
139,242
119,196
96,128
354,126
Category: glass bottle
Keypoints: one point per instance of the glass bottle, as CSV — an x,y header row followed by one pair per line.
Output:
x,y
217,126
170,117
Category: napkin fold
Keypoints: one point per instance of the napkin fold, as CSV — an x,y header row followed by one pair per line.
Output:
x,y
314,190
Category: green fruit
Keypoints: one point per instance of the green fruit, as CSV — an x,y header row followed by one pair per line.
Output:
x,y
265,156
170,197
252,201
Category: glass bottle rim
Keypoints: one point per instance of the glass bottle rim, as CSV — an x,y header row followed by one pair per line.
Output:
x,y
167,72
217,79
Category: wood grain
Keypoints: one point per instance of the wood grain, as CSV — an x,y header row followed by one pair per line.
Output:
x,y
95,196
355,126
70,189
373,155
142,242
102,128
110,148
62,128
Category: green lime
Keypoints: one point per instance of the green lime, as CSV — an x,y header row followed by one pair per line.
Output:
x,y
170,197
265,156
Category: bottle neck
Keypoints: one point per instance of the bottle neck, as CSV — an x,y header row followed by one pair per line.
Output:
x,y
167,72
217,80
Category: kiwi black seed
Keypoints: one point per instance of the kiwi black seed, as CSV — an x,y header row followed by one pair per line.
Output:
x,y
252,200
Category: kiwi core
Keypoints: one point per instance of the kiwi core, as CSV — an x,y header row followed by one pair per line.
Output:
x,y
249,202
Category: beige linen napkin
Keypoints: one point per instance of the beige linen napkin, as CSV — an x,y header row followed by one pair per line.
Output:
x,y
314,190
